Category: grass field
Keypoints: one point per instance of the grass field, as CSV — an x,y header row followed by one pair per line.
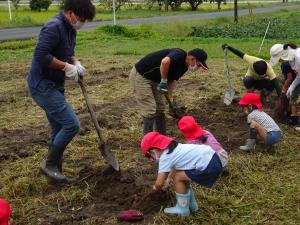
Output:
x,y
23,17
261,188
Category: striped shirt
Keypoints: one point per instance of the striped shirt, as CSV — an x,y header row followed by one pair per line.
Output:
x,y
263,119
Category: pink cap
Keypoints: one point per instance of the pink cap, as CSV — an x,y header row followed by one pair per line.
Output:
x,y
154,140
189,128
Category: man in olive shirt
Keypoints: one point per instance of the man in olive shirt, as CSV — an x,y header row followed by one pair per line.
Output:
x,y
260,74
154,75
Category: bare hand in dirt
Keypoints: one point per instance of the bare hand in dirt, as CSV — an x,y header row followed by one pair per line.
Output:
x,y
169,184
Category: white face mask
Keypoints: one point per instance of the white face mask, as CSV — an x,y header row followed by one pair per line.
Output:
x,y
154,157
193,68
78,25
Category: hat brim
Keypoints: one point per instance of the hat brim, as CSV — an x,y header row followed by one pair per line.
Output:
x,y
274,60
286,55
203,66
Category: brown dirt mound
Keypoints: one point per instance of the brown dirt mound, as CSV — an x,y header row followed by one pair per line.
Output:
x,y
114,193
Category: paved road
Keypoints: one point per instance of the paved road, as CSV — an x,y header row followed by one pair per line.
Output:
x,y
25,33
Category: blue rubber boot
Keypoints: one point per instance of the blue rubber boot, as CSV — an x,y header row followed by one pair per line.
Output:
x,y
193,202
182,205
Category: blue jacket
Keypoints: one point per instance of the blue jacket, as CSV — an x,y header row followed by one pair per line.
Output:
x,y
57,39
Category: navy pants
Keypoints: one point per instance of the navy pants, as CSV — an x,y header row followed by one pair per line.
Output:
x,y
250,82
63,121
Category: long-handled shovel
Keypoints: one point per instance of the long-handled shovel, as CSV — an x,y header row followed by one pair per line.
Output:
x,y
104,149
230,92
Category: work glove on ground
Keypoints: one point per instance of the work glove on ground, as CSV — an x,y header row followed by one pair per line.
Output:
x,y
163,86
71,71
80,68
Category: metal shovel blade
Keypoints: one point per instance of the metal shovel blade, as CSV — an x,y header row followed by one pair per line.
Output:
x,y
229,96
110,158
230,92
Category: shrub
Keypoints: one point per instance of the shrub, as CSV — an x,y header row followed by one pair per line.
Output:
x,y
132,32
38,5
280,28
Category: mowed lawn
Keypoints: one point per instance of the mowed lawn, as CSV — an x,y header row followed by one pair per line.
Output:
x,y
262,188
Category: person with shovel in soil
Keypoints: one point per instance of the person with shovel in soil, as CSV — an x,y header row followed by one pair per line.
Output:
x,y
260,75
289,56
154,76
190,163
262,126
52,62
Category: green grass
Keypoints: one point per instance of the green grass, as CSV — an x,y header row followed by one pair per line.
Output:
x,y
261,189
23,17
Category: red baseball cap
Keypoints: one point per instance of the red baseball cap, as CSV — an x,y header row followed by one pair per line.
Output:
x,y
251,99
189,128
154,140
5,212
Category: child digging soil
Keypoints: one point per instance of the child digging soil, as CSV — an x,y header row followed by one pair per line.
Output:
x,y
262,126
194,134
197,163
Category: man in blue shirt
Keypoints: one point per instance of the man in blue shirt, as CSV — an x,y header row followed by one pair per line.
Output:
x,y
53,60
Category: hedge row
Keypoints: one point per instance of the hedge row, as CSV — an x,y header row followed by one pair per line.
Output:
x,y
279,28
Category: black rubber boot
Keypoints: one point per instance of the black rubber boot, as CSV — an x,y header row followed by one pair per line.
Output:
x,y
60,160
160,124
293,119
50,168
148,124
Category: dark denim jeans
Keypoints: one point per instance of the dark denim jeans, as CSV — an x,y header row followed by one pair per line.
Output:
x,y
63,121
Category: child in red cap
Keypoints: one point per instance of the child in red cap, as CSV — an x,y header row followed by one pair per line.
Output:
x,y
190,162
194,134
5,213
262,126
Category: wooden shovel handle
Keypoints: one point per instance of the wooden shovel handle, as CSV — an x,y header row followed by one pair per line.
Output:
x,y
90,108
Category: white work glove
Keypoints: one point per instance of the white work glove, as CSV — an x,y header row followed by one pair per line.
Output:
x,y
71,71
292,87
80,68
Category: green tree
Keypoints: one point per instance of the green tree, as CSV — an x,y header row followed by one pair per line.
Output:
x,y
16,4
175,4
194,3
118,3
